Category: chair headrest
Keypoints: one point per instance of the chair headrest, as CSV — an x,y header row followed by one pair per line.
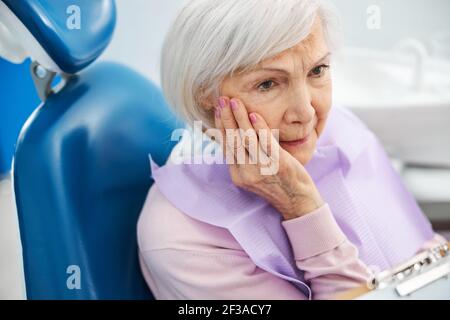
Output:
x,y
63,35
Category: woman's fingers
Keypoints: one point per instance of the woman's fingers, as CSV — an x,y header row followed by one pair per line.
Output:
x,y
232,137
240,114
248,138
232,146
247,133
226,114
219,126
267,141
227,151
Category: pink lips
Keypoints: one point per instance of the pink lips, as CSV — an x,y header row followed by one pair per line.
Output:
x,y
295,142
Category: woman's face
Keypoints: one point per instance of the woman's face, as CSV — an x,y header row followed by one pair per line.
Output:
x,y
292,92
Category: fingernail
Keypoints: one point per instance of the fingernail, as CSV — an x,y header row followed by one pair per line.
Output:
x,y
222,103
217,113
233,105
252,117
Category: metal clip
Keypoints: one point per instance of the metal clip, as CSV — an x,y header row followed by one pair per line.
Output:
x,y
43,80
416,272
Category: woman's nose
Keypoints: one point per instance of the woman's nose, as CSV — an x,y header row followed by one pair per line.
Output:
x,y
300,108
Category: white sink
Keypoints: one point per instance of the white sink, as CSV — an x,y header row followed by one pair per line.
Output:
x,y
403,98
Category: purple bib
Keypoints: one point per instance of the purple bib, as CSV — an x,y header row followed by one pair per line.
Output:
x,y
353,175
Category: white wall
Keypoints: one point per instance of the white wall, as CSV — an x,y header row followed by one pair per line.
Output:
x,y
399,18
142,25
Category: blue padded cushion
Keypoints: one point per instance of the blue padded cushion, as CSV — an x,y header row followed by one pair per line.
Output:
x,y
17,100
71,49
81,175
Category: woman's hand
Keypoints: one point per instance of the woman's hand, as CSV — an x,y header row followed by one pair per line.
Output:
x,y
289,188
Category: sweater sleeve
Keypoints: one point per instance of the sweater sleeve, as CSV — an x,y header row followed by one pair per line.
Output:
x,y
329,259
330,262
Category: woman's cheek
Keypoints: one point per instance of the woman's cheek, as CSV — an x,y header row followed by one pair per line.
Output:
x,y
254,102
322,100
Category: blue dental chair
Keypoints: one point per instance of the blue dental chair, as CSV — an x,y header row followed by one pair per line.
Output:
x,y
81,168
16,89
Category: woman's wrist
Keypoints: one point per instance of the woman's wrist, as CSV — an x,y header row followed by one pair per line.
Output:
x,y
306,207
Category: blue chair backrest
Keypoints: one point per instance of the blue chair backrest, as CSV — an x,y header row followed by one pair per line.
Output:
x,y
17,100
81,167
81,175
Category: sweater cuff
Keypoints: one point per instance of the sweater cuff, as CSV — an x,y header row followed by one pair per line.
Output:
x,y
314,233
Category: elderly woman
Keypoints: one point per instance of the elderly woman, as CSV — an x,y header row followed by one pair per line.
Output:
x,y
331,211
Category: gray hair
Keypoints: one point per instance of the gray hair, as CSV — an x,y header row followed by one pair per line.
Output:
x,y
212,39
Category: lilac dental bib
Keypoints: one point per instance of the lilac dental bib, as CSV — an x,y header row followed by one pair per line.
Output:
x,y
353,175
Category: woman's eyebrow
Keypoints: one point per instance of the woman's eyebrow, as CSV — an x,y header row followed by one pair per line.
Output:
x,y
322,59
285,71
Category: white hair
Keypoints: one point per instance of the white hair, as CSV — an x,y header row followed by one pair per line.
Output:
x,y
211,39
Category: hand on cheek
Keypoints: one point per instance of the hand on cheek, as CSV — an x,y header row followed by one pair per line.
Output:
x,y
275,175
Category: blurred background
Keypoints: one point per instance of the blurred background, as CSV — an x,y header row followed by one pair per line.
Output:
x,y
393,72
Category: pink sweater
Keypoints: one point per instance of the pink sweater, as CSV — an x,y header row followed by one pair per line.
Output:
x,y
182,258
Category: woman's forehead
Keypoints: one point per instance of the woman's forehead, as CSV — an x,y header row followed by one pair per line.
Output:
x,y
311,50
293,61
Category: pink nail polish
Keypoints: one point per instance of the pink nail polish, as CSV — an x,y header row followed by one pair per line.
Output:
x,y
222,103
252,117
217,113
233,105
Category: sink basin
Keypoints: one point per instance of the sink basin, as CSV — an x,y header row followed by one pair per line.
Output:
x,y
406,102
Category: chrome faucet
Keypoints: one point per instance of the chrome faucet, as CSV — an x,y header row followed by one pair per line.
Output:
x,y
417,49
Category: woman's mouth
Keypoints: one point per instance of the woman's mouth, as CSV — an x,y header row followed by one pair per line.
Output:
x,y
295,143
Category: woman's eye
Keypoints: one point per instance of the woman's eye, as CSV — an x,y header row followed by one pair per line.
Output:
x,y
266,85
318,71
